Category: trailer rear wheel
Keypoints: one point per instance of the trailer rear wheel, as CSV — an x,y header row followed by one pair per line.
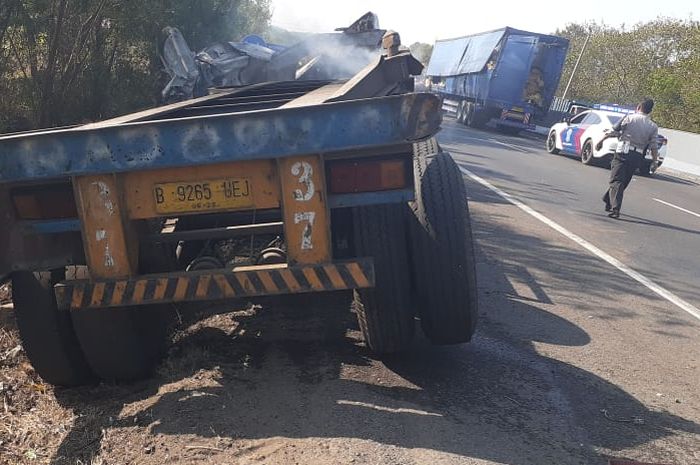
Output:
x,y
122,343
469,115
47,332
461,112
475,118
444,272
385,312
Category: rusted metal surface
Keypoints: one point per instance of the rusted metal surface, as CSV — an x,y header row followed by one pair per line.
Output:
x,y
354,124
305,210
382,77
21,247
111,242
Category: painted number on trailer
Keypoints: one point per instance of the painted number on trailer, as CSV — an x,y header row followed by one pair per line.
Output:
x,y
308,218
304,171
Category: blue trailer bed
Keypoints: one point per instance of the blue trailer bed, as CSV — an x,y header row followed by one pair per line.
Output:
x,y
241,124
266,190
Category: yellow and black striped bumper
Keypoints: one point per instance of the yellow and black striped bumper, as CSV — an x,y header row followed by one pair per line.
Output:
x,y
214,285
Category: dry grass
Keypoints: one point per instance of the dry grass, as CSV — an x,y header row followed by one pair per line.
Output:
x,y
5,293
41,425
32,423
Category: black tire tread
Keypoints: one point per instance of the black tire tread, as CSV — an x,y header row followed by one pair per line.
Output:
x,y
123,343
461,112
385,312
47,333
476,119
443,251
555,150
592,159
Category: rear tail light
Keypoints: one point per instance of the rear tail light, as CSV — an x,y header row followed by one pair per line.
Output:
x,y
367,175
44,202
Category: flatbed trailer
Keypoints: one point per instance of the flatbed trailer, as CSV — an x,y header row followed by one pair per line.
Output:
x,y
107,225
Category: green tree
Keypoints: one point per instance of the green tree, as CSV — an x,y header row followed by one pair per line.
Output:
x,y
422,52
658,59
69,61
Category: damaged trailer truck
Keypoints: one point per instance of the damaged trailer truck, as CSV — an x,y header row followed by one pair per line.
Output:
x,y
504,78
270,189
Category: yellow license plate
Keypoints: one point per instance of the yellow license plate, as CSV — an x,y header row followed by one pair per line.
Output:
x,y
215,194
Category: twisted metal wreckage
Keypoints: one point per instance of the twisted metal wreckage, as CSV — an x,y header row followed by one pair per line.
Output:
x,y
325,56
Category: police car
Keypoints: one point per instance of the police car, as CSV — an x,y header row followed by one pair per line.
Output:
x,y
581,134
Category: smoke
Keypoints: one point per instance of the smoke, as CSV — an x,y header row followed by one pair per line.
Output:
x,y
329,56
333,59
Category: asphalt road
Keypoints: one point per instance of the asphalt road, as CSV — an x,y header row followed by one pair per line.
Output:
x,y
573,306
573,361
652,237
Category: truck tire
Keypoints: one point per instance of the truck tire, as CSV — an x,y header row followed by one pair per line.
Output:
x,y
443,264
384,313
475,118
46,332
461,112
587,157
122,343
551,144
468,114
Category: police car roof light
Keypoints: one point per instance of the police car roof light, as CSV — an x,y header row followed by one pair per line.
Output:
x,y
613,108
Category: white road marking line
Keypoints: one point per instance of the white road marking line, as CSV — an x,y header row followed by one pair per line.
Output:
x,y
648,283
678,208
505,144
496,141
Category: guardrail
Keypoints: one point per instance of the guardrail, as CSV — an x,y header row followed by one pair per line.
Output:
x,y
683,152
450,107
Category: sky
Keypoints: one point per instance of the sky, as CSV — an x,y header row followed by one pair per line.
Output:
x,y
427,21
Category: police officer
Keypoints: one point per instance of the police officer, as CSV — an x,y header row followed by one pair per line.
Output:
x,y
636,133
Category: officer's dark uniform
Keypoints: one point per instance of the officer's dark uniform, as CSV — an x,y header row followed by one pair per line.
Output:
x,y
637,133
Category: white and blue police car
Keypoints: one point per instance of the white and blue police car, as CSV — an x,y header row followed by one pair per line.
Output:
x,y
580,134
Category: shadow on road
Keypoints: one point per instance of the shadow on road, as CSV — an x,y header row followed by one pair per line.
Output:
x,y
239,382
253,384
647,222
672,179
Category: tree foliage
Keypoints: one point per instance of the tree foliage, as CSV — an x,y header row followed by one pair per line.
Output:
x,y
422,52
70,61
658,59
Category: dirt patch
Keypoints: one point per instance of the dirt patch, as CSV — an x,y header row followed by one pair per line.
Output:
x,y
32,422
184,413
292,383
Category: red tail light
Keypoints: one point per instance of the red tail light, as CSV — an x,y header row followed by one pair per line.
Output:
x,y
367,175
44,202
